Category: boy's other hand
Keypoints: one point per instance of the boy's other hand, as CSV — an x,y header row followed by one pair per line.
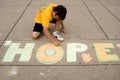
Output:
x,y
64,31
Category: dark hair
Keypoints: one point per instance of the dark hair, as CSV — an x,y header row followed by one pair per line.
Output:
x,y
61,11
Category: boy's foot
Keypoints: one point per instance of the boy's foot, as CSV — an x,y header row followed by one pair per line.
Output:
x,y
57,35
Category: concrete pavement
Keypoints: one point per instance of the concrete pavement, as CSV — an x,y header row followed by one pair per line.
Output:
x,y
91,50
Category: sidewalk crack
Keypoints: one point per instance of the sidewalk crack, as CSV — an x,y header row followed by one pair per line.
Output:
x,y
16,23
95,19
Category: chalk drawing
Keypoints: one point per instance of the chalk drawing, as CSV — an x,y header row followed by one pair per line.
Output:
x,y
118,45
102,52
7,43
72,49
86,57
49,54
48,70
13,71
42,74
14,50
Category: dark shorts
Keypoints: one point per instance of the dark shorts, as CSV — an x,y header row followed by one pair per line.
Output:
x,y
39,28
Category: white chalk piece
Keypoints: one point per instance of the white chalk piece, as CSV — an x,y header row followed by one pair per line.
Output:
x,y
13,71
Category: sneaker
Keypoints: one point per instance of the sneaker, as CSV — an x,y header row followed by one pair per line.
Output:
x,y
57,35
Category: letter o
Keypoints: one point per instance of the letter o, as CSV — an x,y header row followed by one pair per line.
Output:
x,y
49,54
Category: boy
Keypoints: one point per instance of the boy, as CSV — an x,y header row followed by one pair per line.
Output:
x,y
52,13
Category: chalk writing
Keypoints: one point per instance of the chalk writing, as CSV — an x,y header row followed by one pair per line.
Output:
x,y
14,49
102,52
51,54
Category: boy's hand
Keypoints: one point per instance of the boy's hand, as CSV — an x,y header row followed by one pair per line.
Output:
x,y
56,43
64,31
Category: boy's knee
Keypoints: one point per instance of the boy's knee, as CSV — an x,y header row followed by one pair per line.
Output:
x,y
35,36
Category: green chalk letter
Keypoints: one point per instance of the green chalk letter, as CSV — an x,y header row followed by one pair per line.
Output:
x,y
14,49
72,49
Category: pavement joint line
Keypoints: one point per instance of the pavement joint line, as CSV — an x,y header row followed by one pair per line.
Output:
x,y
66,39
95,19
109,10
16,22
68,65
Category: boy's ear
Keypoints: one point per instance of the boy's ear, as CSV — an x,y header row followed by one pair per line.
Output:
x,y
55,13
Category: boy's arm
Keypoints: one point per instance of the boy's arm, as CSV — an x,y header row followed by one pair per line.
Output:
x,y
63,28
46,32
62,24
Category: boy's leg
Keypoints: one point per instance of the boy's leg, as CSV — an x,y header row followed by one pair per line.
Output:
x,y
35,35
56,33
37,30
57,25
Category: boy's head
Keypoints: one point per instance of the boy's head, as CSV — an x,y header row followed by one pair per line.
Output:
x,y
59,12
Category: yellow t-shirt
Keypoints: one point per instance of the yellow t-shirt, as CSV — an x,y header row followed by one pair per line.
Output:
x,y
44,16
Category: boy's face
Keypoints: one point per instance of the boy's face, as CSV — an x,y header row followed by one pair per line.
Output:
x,y
55,16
